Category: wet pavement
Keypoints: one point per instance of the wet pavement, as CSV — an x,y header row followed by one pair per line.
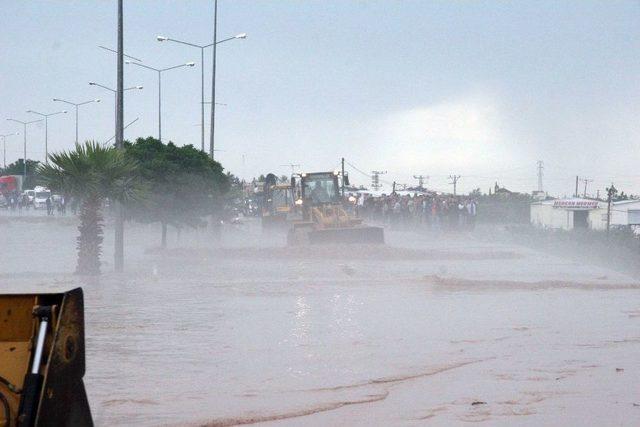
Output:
x,y
426,329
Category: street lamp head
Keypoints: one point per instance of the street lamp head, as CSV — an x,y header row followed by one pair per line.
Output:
x,y
140,87
97,100
241,36
162,38
30,111
190,64
64,111
56,99
127,62
92,83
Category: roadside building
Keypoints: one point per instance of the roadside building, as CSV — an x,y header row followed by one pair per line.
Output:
x,y
567,214
625,213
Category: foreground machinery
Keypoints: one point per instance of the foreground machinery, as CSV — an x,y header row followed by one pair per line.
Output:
x,y
277,207
42,360
324,218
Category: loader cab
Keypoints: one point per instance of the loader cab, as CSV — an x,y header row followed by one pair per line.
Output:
x,y
278,198
319,188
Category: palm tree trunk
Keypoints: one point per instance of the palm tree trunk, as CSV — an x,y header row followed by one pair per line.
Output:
x,y
90,238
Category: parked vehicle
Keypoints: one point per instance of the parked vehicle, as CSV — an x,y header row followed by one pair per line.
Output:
x,y
41,194
10,184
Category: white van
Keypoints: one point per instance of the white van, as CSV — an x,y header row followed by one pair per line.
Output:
x,y
41,194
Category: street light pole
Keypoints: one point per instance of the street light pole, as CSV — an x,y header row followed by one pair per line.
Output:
x,y
213,81
202,99
202,48
4,148
160,71
76,104
46,130
160,106
118,253
24,124
115,94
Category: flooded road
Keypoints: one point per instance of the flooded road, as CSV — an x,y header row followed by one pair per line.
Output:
x,y
426,329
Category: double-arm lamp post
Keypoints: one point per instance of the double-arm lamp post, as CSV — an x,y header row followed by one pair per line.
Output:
x,y
46,130
160,71
115,92
76,104
202,48
24,133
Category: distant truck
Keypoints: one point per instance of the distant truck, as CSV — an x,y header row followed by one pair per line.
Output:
x,y
10,184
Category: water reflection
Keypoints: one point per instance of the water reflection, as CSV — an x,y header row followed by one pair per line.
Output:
x,y
300,329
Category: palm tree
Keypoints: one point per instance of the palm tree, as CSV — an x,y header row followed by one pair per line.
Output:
x,y
91,173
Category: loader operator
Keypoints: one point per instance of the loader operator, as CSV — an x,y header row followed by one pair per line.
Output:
x,y
319,194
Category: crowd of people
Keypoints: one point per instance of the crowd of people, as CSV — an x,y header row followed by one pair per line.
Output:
x,y
435,212
16,202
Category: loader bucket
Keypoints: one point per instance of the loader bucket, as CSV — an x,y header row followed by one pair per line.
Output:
x,y
274,222
347,235
42,360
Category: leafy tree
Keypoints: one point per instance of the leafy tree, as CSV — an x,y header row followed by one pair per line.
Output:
x,y
91,173
476,193
184,184
17,168
619,197
236,187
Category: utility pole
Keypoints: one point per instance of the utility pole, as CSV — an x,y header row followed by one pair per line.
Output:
x,y
343,177
375,179
454,180
576,193
118,253
611,191
540,173
585,180
421,179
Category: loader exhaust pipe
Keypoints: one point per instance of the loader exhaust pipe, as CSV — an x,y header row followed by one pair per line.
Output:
x,y
30,398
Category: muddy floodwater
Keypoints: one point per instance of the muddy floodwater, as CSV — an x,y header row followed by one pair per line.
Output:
x,y
426,330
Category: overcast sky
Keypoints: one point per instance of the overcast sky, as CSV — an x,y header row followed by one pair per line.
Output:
x,y
475,88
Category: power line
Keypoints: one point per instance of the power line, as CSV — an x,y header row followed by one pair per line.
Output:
x,y
358,170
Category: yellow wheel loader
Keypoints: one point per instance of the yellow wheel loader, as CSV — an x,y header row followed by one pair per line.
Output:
x,y
324,218
277,206
42,360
